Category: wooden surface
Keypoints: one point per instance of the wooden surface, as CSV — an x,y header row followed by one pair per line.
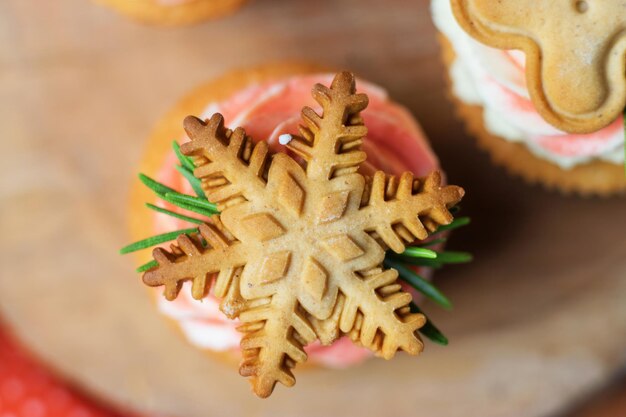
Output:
x,y
540,318
611,402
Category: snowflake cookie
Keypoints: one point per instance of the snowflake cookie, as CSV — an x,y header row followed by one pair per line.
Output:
x,y
296,253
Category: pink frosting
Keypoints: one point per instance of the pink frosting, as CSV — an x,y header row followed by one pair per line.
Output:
x,y
496,80
505,93
395,143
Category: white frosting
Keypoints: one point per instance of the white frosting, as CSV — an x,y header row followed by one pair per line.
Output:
x,y
495,80
195,318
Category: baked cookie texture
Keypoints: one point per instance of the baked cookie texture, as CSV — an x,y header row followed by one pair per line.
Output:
x,y
264,375
595,178
298,249
575,54
184,13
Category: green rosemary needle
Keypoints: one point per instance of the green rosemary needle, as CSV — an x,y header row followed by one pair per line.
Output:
x,y
451,257
174,214
155,186
184,201
455,224
155,240
429,329
184,160
147,265
433,242
419,252
195,183
190,207
201,203
417,282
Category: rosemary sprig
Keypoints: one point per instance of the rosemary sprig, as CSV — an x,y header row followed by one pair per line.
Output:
x,y
417,282
202,204
155,240
184,160
455,224
196,184
198,205
174,214
442,258
157,187
419,254
147,265
186,168
433,242
454,257
429,329
190,207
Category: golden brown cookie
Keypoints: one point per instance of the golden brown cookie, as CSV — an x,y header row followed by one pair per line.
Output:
x,y
298,248
592,178
162,13
575,54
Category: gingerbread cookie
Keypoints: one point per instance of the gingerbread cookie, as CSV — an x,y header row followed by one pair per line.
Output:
x,y
299,242
575,54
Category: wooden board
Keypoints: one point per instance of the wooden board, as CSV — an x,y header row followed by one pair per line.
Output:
x,y
540,317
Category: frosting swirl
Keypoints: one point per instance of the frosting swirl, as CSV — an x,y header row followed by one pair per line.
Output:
x,y
495,79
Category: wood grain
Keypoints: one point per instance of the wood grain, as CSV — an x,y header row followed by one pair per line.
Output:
x,y
540,318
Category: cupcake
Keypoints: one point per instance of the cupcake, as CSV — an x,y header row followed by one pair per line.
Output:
x,y
542,112
173,12
301,190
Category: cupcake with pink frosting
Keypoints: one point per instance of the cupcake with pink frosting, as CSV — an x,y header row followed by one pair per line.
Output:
x,y
267,103
489,87
173,12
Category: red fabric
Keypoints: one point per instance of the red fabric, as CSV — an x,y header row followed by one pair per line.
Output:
x,y
28,389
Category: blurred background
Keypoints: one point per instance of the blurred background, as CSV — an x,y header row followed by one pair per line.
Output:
x,y
539,325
